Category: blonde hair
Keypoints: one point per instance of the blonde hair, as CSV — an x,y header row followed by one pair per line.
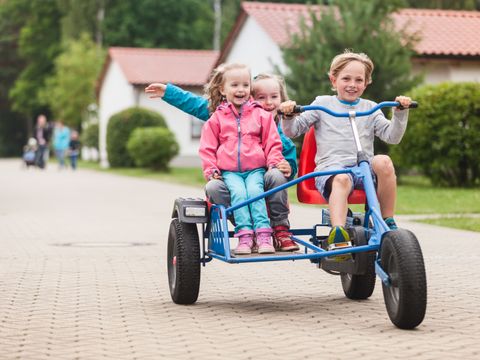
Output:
x,y
278,78
340,61
212,88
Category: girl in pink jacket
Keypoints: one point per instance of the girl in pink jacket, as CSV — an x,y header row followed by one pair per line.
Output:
x,y
238,143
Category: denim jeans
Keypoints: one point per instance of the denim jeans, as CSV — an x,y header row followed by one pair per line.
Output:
x,y
244,186
217,192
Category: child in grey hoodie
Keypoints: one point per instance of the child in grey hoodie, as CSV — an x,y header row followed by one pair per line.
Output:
x,y
350,73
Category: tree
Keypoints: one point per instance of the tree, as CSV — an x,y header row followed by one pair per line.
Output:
x,y
72,87
39,45
13,126
186,24
357,25
444,4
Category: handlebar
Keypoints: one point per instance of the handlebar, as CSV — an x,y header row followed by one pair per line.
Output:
x,y
299,109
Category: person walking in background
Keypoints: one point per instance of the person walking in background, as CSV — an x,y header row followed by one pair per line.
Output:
x,y
61,141
74,149
42,134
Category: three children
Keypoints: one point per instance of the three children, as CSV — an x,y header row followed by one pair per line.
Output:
x,y
227,162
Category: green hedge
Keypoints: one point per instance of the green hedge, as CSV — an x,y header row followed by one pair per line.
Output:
x,y
152,147
120,127
442,137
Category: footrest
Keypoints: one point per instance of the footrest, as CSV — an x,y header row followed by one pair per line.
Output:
x,y
337,246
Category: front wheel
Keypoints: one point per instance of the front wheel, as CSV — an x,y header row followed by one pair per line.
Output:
x,y
183,258
406,296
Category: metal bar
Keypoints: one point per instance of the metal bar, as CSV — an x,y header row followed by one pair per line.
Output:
x,y
295,256
345,115
382,274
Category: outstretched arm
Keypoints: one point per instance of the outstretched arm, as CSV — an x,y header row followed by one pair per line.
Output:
x,y
184,100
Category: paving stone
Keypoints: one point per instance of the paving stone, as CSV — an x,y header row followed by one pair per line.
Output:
x,y
94,302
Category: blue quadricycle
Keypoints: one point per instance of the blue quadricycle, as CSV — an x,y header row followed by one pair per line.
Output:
x,y
394,255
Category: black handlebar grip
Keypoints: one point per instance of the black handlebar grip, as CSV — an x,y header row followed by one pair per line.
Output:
x,y
297,109
412,105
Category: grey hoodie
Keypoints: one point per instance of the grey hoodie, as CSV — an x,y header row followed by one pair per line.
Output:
x,y
334,136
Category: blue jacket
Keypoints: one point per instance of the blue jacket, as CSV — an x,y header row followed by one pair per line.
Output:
x,y
198,106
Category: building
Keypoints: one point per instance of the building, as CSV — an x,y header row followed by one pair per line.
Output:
x,y
125,75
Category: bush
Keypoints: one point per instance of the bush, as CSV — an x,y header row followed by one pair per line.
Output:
x,y
442,134
120,126
152,147
90,136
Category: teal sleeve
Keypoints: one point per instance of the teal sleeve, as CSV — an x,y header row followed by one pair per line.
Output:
x,y
187,102
289,152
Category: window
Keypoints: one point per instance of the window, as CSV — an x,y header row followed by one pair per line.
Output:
x,y
196,127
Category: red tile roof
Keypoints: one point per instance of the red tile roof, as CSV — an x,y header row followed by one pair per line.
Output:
x,y
182,67
443,32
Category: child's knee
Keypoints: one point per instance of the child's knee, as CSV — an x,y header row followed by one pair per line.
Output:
x,y
342,181
383,166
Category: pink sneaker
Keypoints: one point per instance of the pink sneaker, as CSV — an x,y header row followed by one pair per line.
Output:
x,y
264,241
245,242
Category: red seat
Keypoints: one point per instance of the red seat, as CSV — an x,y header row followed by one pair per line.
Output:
x,y
306,191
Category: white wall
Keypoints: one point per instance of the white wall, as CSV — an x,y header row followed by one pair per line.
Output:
x,y
116,95
254,47
436,71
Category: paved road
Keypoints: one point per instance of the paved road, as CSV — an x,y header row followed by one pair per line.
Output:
x,y
104,299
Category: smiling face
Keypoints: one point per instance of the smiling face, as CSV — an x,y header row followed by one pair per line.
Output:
x,y
236,86
350,82
267,93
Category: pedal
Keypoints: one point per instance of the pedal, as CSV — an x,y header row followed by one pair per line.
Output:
x,y
337,246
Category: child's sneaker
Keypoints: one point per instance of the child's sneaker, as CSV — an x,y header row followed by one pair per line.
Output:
x,y
283,239
391,223
339,239
264,241
245,242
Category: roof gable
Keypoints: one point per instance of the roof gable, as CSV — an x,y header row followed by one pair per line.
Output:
x,y
443,32
144,66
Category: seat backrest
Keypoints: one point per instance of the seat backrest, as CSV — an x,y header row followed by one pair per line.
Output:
x,y
306,190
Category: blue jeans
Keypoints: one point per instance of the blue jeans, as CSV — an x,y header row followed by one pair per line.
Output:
x,y
60,154
243,186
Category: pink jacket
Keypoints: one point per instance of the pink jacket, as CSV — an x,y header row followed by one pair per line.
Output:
x,y
239,143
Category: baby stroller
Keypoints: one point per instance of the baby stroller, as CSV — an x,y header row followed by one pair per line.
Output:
x,y
29,152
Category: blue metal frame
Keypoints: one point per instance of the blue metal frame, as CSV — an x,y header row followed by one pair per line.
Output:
x,y
219,236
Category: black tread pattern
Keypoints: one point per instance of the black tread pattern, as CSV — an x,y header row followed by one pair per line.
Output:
x,y
408,311
183,238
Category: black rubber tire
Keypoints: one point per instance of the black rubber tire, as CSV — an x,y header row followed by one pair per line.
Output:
x,y
183,262
360,287
406,298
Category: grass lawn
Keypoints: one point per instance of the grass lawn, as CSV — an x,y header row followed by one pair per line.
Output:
x,y
415,194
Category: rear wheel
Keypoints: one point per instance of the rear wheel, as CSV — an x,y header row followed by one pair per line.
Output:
x,y
406,297
183,258
361,286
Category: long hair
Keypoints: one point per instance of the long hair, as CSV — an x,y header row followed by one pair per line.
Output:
x,y
212,88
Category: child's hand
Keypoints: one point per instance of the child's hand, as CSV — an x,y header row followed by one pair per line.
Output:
x,y
217,176
285,168
287,107
405,101
156,89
